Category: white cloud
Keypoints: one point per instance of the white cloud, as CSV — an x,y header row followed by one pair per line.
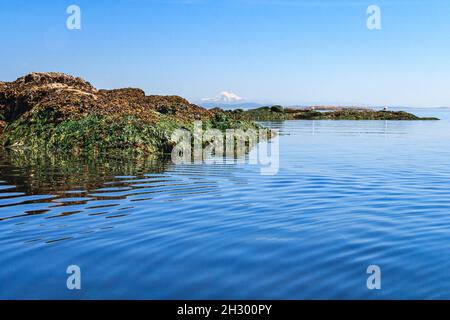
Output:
x,y
224,96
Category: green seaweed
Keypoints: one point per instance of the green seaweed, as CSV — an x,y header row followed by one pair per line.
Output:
x,y
92,133
97,134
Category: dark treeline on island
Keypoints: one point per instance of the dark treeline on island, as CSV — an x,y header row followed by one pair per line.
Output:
x,y
55,111
278,112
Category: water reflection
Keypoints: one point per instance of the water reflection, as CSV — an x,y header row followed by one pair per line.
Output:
x,y
61,185
347,195
55,173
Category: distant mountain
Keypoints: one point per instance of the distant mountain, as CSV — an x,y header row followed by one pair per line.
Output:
x,y
230,106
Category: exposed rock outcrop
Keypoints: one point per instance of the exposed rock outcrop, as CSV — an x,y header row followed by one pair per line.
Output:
x,y
60,112
71,98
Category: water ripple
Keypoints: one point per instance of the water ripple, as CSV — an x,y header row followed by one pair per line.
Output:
x,y
347,195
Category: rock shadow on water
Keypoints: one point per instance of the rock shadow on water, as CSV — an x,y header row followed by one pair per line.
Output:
x,y
66,175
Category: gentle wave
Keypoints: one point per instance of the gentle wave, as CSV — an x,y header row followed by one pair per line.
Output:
x,y
348,194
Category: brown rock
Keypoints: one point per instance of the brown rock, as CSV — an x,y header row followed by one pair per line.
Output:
x,y
69,97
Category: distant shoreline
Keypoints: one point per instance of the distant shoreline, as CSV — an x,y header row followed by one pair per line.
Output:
x,y
278,112
58,112
55,111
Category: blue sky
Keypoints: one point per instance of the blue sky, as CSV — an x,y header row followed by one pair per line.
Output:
x,y
289,52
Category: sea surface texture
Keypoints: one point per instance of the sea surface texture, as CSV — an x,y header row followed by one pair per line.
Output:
x,y
348,195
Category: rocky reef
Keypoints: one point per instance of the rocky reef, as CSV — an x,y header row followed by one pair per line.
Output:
x,y
55,111
279,113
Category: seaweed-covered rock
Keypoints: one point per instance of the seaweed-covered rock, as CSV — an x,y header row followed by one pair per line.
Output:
x,y
276,108
55,91
69,97
359,115
59,111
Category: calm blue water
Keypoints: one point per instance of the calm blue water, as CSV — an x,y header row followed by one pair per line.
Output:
x,y
348,194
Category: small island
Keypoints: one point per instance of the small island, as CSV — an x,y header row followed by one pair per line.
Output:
x,y
278,112
55,111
